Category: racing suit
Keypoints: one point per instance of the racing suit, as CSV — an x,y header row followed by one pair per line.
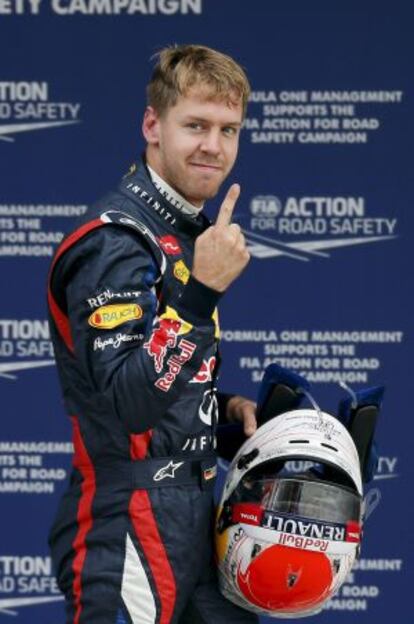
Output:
x,y
135,339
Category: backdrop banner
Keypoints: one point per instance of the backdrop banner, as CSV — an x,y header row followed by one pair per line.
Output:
x,y
325,207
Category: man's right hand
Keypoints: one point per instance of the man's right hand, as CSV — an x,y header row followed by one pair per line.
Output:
x,y
220,253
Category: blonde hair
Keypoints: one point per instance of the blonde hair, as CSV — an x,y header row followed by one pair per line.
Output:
x,y
182,67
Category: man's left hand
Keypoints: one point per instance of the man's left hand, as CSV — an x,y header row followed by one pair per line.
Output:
x,y
240,409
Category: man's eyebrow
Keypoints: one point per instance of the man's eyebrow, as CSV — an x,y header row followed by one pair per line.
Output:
x,y
205,120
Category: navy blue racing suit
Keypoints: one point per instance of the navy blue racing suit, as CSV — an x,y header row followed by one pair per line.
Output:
x,y
135,338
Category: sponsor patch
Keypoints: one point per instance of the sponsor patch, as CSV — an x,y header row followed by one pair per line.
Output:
x,y
304,527
175,364
353,532
181,271
199,443
110,316
205,373
307,543
167,471
247,513
169,244
164,336
105,296
100,344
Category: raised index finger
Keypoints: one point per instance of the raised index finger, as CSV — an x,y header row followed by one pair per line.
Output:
x,y
226,209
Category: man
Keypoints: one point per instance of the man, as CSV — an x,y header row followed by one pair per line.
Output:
x,y
132,295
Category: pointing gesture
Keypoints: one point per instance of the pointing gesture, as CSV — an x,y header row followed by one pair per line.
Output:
x,y
226,209
220,253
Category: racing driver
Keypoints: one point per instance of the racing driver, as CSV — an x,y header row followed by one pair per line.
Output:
x,y
132,294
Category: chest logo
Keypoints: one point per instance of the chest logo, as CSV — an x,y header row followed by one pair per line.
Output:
x,y
181,271
110,316
170,245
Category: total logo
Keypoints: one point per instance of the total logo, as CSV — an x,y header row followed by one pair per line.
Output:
x,y
27,106
303,228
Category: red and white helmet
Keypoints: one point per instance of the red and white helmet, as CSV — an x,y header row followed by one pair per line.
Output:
x,y
285,541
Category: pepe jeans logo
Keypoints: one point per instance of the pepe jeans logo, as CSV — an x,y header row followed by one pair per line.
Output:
x,y
108,317
115,342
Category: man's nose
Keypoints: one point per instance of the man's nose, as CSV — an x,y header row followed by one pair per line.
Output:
x,y
211,143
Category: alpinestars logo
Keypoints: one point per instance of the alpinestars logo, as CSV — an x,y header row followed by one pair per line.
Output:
x,y
27,106
167,471
304,228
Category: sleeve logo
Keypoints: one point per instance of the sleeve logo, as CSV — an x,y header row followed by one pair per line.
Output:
x,y
108,317
164,336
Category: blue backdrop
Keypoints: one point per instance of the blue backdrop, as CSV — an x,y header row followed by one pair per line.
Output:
x,y
325,206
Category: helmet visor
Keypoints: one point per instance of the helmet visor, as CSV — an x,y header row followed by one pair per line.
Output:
x,y
313,500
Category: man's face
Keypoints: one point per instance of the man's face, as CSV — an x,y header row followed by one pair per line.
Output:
x,y
193,145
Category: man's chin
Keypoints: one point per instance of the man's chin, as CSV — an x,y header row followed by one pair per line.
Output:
x,y
204,192
199,200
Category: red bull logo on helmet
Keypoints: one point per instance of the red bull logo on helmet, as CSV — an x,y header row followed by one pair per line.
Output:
x,y
297,541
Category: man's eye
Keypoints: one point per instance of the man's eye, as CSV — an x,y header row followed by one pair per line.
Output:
x,y
194,125
229,131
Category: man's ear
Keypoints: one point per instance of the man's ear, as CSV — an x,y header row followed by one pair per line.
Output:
x,y
151,126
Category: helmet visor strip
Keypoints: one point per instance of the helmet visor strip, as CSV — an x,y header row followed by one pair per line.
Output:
x,y
279,504
312,499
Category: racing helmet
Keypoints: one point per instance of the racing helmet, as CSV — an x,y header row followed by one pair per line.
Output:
x,y
289,521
